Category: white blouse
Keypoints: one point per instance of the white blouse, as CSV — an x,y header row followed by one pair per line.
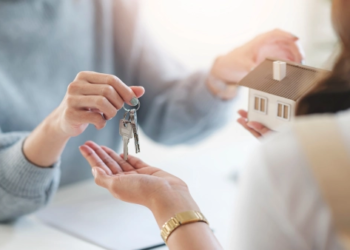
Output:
x,y
279,204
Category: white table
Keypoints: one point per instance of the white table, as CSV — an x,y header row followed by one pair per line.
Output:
x,y
29,233
209,173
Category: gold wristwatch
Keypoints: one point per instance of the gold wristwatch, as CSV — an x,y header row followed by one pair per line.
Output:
x,y
181,219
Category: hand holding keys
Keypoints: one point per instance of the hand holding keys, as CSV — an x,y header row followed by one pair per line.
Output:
x,y
128,130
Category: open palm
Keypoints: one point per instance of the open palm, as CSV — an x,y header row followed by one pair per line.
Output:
x,y
132,180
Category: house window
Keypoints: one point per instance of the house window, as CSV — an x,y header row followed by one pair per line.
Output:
x,y
283,111
260,104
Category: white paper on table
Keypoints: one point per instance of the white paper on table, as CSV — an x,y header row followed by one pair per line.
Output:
x,y
100,219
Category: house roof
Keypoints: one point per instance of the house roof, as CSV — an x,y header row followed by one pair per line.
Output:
x,y
298,81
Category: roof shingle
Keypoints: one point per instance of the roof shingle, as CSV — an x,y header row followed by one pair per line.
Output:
x,y
298,81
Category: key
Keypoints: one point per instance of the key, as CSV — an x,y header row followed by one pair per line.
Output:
x,y
126,131
133,121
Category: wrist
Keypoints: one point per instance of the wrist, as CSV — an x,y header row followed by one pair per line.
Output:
x,y
166,206
221,88
45,144
52,126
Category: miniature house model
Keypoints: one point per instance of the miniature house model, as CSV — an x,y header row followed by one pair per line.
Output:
x,y
274,89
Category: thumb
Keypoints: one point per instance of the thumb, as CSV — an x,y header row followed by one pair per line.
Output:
x,y
101,178
138,91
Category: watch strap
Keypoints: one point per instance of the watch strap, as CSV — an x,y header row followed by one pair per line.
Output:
x,y
181,219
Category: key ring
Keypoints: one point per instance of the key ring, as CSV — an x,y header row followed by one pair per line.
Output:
x,y
128,110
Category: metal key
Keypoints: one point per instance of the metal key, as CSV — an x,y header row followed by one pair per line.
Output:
x,y
126,131
133,121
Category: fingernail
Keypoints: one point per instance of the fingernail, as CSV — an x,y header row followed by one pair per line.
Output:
x,y
82,150
94,172
134,101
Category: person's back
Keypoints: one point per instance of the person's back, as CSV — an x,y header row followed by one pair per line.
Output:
x,y
280,205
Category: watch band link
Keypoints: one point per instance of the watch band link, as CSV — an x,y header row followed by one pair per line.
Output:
x,y
181,219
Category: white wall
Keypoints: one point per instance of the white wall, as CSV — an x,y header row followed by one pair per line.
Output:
x,y
196,31
269,119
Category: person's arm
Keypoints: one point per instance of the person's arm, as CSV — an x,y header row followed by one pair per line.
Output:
x,y
92,98
180,106
279,205
29,172
24,187
165,195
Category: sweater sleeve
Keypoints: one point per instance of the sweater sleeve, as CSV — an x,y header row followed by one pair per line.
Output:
x,y
177,106
24,187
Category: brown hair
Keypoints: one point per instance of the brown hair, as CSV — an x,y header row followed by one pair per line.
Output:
x,y
332,93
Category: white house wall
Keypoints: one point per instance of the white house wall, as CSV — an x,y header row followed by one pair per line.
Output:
x,y
269,119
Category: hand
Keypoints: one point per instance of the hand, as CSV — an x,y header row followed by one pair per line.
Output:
x,y
93,98
136,182
235,65
256,129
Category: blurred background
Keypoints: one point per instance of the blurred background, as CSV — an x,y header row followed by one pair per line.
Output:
x,y
197,31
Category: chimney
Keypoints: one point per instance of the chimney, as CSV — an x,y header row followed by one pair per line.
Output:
x,y
279,70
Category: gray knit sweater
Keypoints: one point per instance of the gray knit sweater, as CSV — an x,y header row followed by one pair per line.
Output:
x,y
43,45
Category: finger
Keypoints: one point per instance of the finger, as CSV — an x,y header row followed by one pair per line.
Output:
x,y
258,127
274,52
294,50
126,93
121,162
287,39
93,159
252,131
93,102
101,178
135,162
282,34
282,50
243,113
86,116
84,88
107,160
138,91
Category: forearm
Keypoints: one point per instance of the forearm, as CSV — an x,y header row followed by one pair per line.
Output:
x,y
45,144
185,113
24,187
15,205
191,236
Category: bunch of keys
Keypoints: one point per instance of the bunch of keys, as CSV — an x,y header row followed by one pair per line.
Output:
x,y
128,130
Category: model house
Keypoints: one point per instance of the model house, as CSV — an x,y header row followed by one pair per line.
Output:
x,y
274,90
